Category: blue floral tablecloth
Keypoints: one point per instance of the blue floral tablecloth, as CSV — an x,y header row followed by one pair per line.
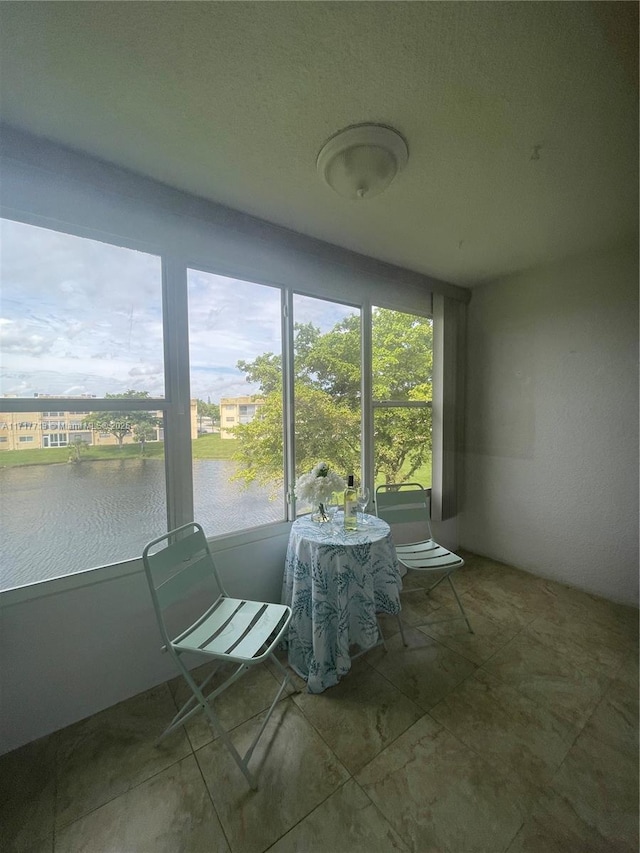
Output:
x,y
335,582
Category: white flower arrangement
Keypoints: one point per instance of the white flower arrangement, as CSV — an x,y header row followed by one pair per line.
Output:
x,y
319,485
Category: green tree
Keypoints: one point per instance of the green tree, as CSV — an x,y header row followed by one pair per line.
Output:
x,y
76,445
143,432
122,423
402,372
327,400
207,410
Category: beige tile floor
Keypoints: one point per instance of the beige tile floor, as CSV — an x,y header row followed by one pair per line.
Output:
x,y
520,737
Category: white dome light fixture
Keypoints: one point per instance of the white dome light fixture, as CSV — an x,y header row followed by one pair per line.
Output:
x,y
360,161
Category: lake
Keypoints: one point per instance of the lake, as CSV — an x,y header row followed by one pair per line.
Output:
x,y
60,519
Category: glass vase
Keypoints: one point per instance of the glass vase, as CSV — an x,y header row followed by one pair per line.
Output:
x,y
321,514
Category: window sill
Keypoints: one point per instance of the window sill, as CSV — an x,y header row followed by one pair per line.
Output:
x,y
109,573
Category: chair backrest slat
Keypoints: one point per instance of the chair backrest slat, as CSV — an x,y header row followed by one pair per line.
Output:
x,y
181,565
191,574
404,503
176,551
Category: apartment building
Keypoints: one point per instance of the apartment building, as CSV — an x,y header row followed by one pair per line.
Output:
x,y
235,411
41,430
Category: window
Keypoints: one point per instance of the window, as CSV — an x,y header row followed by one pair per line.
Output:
x,y
79,317
402,366
82,321
80,437
327,377
235,330
88,386
55,440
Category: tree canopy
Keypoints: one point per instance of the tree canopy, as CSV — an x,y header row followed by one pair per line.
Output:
x,y
207,410
122,423
327,400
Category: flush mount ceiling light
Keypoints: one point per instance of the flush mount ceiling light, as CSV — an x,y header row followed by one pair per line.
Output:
x,y
361,161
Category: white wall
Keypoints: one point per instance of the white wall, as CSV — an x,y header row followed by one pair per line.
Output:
x,y
73,646
551,461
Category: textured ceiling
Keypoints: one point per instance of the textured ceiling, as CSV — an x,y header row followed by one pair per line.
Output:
x,y
521,118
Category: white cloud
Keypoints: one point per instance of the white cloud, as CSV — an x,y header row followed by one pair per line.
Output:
x,y
83,315
18,338
146,370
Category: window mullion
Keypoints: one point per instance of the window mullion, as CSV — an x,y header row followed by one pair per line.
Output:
x,y
177,416
288,403
367,460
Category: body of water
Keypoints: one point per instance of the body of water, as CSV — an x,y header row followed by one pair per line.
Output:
x,y
59,519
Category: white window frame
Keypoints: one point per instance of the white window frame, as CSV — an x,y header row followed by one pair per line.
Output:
x,y
55,439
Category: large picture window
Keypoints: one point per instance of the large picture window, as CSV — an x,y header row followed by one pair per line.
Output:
x,y
235,356
81,322
327,389
79,317
402,367
263,383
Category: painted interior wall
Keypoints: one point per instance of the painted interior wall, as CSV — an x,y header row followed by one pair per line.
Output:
x,y
551,432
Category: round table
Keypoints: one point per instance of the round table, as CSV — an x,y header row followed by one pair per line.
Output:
x,y
335,582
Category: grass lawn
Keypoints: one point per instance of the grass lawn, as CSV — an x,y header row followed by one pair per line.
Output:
x,y
422,476
204,447
57,455
211,446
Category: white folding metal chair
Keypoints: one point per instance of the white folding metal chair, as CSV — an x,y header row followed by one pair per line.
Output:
x,y
245,633
402,504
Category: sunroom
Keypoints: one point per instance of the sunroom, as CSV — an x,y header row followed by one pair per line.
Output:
x,y
168,250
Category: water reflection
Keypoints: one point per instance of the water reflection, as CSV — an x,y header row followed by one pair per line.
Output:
x,y
60,519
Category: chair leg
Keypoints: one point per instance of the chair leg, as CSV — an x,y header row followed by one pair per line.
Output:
x,y
425,589
438,582
202,702
285,681
282,668
217,725
190,708
462,610
404,639
381,635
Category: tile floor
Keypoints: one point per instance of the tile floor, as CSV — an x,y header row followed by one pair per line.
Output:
x,y
520,737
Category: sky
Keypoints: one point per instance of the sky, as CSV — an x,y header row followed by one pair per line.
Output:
x,y
82,317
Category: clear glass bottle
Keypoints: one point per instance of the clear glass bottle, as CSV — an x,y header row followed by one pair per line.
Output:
x,y
350,505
